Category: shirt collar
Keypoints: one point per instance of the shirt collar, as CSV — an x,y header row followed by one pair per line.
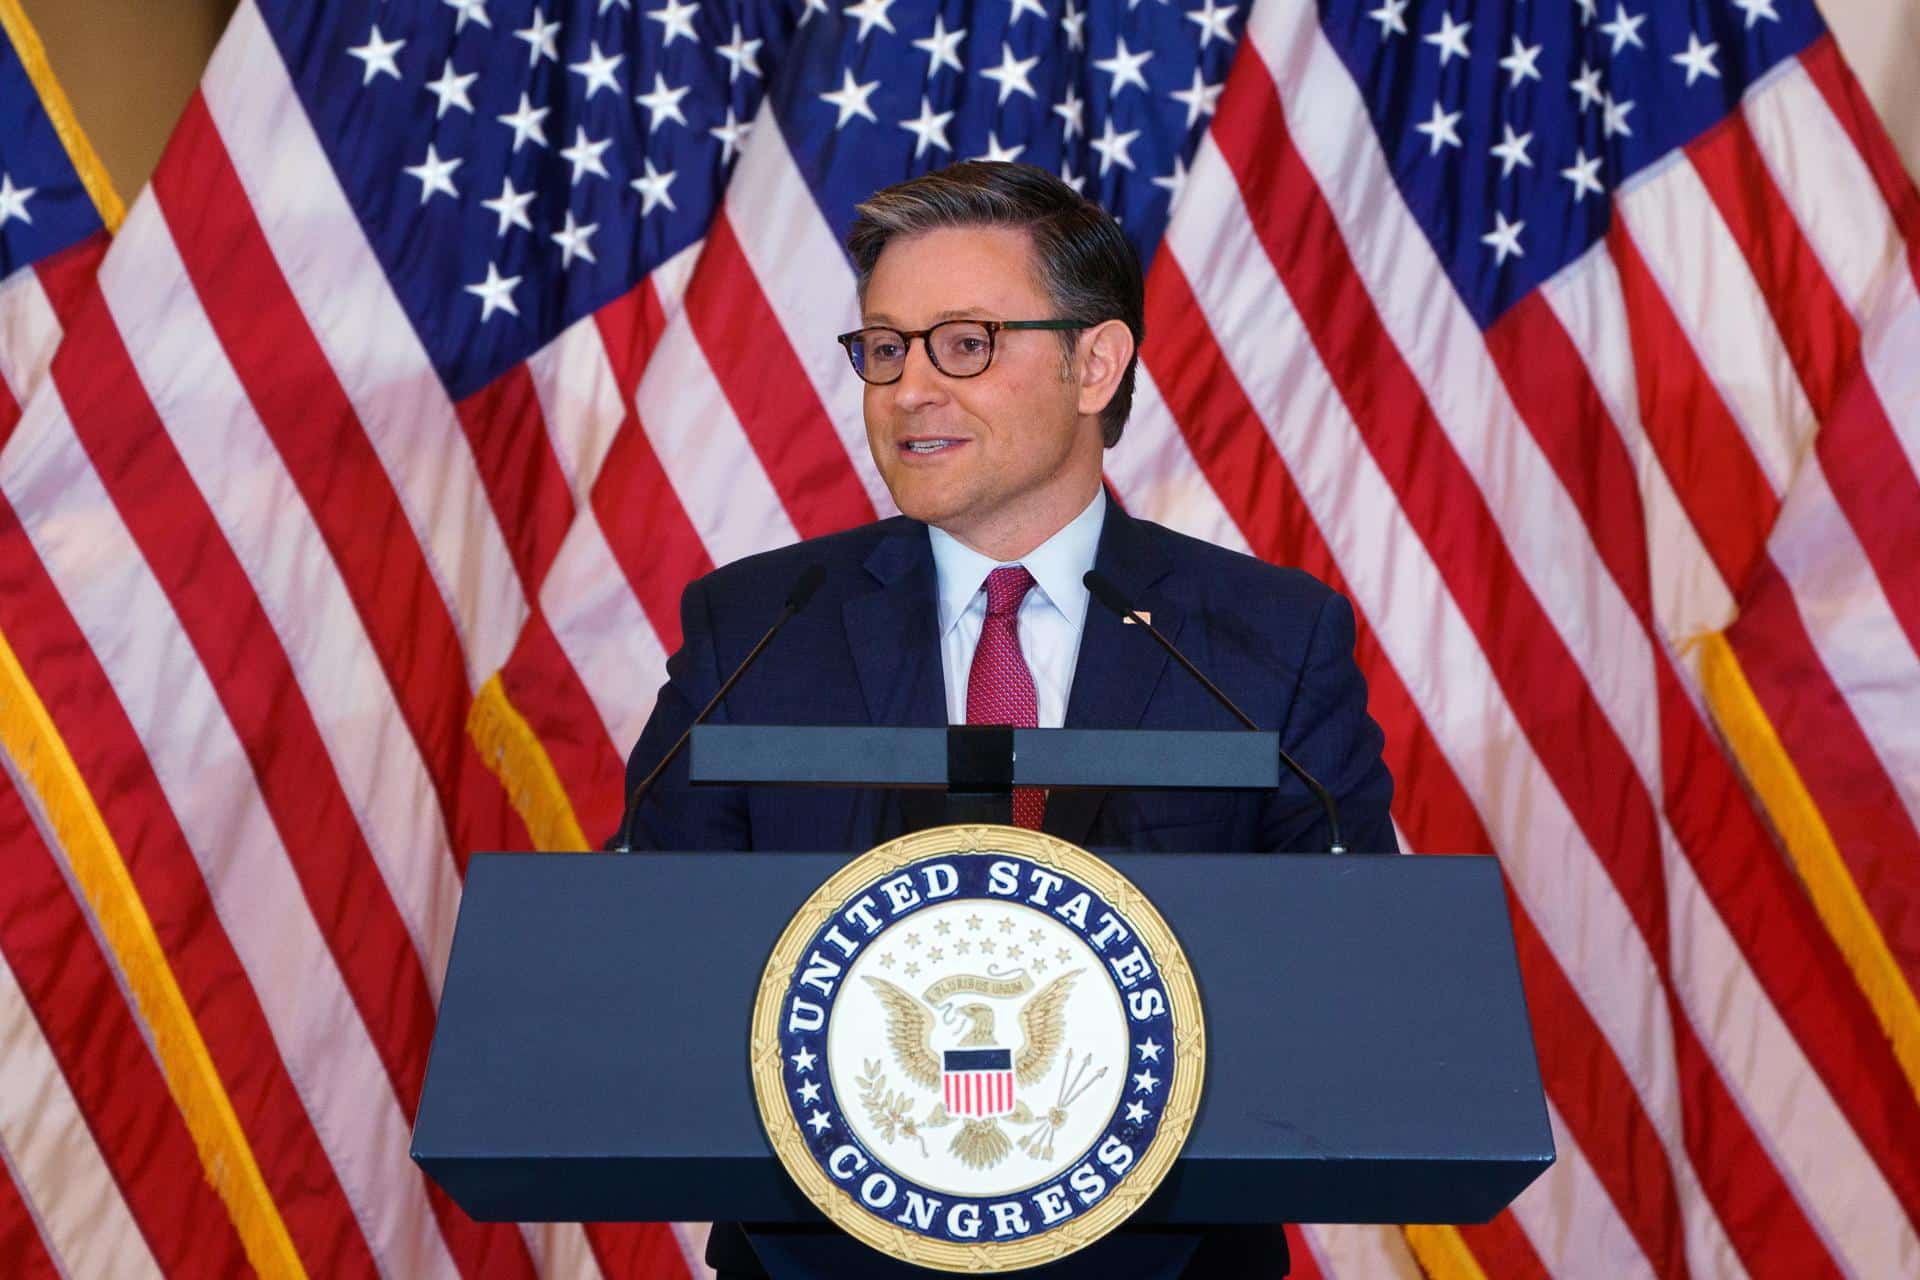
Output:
x,y
1058,566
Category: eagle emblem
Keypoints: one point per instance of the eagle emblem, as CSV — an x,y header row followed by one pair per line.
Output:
x,y
978,1079
977,1048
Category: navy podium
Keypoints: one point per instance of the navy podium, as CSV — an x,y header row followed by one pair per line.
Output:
x,y
1369,1055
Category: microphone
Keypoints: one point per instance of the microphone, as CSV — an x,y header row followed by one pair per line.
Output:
x,y
803,589
1115,599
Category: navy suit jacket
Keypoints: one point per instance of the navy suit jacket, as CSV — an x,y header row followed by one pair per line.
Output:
x,y
866,651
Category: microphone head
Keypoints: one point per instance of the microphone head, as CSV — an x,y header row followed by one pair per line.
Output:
x,y
809,582
1107,593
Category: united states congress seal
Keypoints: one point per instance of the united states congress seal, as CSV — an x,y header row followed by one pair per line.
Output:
x,y
977,1048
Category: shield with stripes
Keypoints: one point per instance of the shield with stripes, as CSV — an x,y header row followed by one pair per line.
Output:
x,y
977,1083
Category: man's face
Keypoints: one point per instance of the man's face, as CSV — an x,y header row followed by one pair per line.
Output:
x,y
1000,460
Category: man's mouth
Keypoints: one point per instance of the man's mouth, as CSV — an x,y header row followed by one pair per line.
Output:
x,y
929,446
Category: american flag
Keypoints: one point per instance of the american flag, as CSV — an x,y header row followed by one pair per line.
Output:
x,y
1577,342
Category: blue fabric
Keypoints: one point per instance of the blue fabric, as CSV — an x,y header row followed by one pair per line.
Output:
x,y
58,212
865,651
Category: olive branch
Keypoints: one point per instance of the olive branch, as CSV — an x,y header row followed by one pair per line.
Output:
x,y
887,1108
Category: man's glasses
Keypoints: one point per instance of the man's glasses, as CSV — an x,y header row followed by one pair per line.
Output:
x,y
958,348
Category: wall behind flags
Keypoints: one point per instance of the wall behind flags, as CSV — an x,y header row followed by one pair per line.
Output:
x,y
197,1077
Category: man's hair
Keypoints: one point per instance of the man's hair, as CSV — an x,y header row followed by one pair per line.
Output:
x,y
1086,266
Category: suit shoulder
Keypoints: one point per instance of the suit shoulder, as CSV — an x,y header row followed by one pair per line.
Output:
x,y
1221,573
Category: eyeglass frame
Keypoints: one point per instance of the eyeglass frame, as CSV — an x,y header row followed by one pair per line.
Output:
x,y
993,327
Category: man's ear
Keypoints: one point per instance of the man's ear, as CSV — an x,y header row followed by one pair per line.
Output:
x,y
1105,351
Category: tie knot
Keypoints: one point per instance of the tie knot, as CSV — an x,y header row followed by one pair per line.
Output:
x,y
1006,587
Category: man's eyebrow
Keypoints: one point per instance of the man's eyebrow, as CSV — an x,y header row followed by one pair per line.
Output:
x,y
957,313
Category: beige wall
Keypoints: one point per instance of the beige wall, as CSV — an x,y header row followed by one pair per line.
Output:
x,y
1881,39
129,66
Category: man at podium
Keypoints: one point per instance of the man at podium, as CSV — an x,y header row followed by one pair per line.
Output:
x,y
1001,318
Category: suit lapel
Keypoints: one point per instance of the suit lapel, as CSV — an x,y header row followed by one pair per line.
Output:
x,y
1119,664
893,633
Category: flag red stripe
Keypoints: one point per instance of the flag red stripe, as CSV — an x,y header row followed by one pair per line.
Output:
x,y
84,1018
1502,1249
1856,114
543,686
1301,1263
523,476
1556,398
640,512
1791,954
636,1250
769,390
57,659
66,276
1855,797
22,1251
1579,1067
1706,458
1544,686
9,413
1597,1102
243,658
1865,466
1764,907
306,412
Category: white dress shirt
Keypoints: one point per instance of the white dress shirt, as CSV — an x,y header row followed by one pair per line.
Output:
x,y
1052,615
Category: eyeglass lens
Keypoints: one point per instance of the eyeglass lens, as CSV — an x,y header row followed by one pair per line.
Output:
x,y
960,349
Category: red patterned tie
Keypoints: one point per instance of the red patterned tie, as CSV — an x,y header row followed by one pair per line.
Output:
x,y
1000,686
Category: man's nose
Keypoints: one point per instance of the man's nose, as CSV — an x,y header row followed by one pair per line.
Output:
x,y
920,384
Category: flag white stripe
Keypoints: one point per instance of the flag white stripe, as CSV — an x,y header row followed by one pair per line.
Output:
x,y
1154,472
1549,542
1706,280
1570,1220
692,1239
801,270
601,628
1860,642
1347,1252
207,781
29,331
1399,589
705,452
1817,1152
579,396
1839,207
560,1249
1690,598
366,336
211,421
579,402
59,1169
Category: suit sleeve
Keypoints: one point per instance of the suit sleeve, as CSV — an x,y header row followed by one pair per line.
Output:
x,y
1330,733
676,815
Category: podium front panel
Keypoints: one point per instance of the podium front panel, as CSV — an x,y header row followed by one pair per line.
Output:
x,y
1368,1059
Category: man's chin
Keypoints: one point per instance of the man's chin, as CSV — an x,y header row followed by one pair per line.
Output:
x,y
928,506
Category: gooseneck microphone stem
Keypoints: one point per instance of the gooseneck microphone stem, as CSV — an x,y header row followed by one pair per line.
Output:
x,y
1116,600
809,582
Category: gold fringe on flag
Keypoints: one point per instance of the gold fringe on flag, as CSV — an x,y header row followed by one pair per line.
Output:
x,y
513,753
33,56
1442,1253
30,738
1775,780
